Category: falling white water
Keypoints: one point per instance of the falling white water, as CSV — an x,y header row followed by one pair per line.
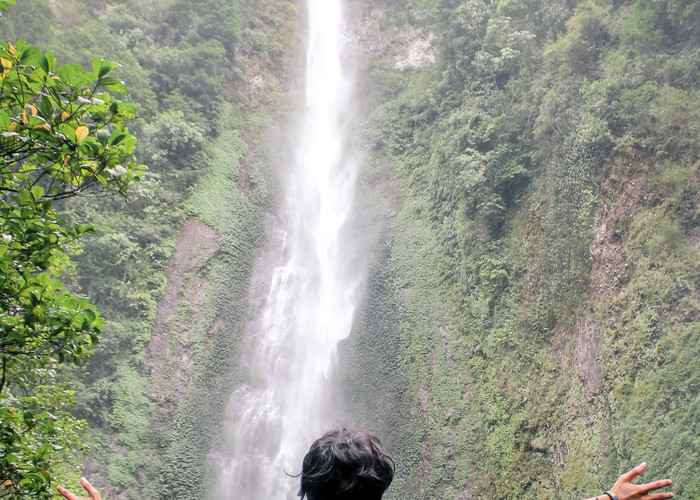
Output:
x,y
311,301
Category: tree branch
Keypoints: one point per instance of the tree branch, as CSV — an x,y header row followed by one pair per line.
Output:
x,y
4,370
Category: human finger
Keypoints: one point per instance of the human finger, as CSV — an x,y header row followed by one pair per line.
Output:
x,y
661,483
660,496
66,493
94,494
629,476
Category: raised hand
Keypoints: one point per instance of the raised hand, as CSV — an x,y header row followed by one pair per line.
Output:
x,y
94,494
625,490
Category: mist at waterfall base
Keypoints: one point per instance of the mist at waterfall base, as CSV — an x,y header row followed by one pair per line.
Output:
x,y
288,400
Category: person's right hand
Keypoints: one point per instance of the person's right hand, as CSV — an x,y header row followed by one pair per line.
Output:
x,y
94,494
625,490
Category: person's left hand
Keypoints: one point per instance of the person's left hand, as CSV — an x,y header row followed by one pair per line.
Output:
x,y
625,490
94,494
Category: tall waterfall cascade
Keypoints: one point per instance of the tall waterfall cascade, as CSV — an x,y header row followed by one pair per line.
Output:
x,y
288,401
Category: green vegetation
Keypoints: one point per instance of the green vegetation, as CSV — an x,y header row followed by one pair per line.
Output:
x,y
552,152
181,60
533,301
63,135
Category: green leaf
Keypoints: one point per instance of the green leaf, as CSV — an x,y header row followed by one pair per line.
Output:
x,y
101,67
44,64
22,197
98,116
31,56
50,60
42,450
4,121
69,72
33,475
46,107
117,139
113,84
78,321
37,192
67,130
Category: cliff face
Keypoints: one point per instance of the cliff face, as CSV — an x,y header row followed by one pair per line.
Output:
x,y
530,326
539,282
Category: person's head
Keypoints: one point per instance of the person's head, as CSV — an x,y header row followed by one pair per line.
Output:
x,y
346,465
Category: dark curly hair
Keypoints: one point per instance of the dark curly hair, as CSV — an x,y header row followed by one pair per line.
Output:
x,y
346,465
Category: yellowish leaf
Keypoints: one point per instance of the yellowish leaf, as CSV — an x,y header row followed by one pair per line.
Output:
x,y
65,115
6,65
81,133
7,482
32,108
24,116
12,126
10,48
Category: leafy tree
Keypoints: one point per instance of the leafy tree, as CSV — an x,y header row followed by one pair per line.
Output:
x,y
5,4
61,134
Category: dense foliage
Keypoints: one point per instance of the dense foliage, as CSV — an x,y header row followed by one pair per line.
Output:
x,y
63,135
552,152
181,60
536,292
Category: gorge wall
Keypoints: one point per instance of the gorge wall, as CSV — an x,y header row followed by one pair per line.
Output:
x,y
536,283
528,206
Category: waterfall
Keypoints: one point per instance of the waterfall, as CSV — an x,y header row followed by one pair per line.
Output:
x,y
288,401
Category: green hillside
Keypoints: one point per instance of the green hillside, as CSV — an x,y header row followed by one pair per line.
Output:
x,y
543,258
530,195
